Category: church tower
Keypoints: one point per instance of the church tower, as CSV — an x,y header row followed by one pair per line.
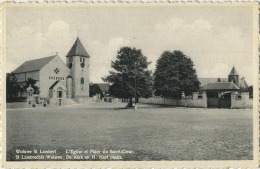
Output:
x,y
77,60
233,77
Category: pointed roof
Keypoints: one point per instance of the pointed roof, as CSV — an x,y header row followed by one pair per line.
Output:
x,y
78,50
33,65
233,71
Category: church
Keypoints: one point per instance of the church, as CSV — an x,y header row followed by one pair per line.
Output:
x,y
59,83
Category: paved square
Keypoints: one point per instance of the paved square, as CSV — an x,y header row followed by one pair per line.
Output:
x,y
151,132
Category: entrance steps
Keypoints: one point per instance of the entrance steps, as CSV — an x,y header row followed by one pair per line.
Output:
x,y
69,102
84,100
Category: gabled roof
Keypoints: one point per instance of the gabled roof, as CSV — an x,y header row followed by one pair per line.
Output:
x,y
242,83
104,87
233,71
33,65
78,50
220,86
59,83
54,84
204,81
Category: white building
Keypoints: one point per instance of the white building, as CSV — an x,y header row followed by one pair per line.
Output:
x,y
58,82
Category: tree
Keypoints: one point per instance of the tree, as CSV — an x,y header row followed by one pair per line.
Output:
x,y
131,77
31,82
175,74
12,88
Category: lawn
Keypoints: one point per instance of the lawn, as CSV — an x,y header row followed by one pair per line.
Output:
x,y
151,132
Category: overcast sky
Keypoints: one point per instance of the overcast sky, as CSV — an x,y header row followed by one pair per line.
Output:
x,y
216,37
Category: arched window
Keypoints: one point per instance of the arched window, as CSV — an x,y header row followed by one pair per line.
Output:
x,y
82,80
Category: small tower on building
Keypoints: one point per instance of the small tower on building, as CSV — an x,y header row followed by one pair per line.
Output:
x,y
234,77
77,60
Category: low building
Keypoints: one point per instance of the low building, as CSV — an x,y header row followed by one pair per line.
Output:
x,y
220,91
100,90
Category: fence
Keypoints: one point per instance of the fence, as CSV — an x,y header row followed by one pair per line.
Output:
x,y
243,102
194,101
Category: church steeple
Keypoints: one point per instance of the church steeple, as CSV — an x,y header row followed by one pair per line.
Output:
x,y
78,50
234,77
233,71
78,62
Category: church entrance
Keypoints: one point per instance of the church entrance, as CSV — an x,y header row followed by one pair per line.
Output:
x,y
59,92
59,95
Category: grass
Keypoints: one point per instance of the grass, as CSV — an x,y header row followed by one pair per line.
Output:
x,y
151,132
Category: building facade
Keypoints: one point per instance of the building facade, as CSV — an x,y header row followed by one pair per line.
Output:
x,y
58,82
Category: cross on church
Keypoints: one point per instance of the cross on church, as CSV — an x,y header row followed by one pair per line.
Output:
x,y
56,70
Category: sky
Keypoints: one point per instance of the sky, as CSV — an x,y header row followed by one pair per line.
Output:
x,y
214,37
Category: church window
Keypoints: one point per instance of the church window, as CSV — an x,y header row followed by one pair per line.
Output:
x,y
82,80
70,65
83,59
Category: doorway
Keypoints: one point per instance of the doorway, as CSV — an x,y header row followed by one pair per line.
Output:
x,y
219,100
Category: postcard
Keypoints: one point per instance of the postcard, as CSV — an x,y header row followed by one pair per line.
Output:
x,y
130,85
